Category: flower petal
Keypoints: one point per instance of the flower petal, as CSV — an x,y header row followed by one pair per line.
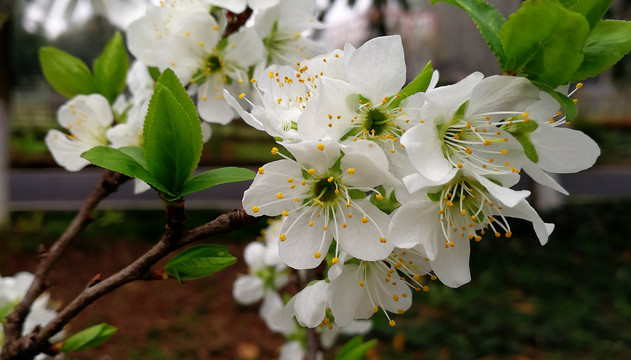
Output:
x,y
563,150
271,192
362,237
424,149
452,264
418,223
247,289
311,304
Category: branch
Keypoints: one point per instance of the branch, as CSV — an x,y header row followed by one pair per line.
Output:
x,y
109,183
174,238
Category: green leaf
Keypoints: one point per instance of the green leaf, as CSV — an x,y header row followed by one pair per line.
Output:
x,y
435,196
172,135
607,44
356,194
67,74
593,10
217,177
488,20
355,349
568,106
419,84
568,3
544,42
127,160
198,261
110,68
89,338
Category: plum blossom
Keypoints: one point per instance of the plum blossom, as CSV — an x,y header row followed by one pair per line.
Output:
x,y
87,118
463,210
322,194
12,290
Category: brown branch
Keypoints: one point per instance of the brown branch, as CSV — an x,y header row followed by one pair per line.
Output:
x,y
174,238
109,183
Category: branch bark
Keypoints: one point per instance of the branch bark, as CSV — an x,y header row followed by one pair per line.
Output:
x,y
174,238
109,183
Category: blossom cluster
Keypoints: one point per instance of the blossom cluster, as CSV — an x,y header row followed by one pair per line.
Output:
x,y
194,39
12,290
390,186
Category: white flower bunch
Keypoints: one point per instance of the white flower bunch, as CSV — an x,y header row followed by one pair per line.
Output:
x,y
12,290
389,186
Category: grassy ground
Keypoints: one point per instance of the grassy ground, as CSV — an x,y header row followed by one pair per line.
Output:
x,y
570,299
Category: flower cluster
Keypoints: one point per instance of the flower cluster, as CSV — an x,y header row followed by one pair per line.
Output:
x,y
12,290
391,186
194,39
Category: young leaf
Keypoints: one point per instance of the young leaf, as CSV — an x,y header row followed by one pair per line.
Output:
x,y
172,137
355,349
127,160
89,338
419,84
216,177
67,74
110,68
488,20
593,10
607,44
544,41
198,261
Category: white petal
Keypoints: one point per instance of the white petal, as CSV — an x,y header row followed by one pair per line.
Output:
x,y
211,104
363,240
304,241
247,289
140,186
236,6
248,49
377,68
418,223
308,154
277,317
502,93
271,192
291,350
394,296
416,182
563,150
541,177
523,210
311,304
346,297
505,195
442,102
424,149
254,255
452,264
246,116
370,164
65,151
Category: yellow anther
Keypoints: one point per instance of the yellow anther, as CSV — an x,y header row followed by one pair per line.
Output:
x,y
383,240
337,192
379,197
392,323
201,43
271,74
330,179
351,171
504,151
416,277
285,213
261,170
215,27
334,261
241,96
487,142
255,209
204,98
579,85
321,147
400,311
364,219
344,225
187,33
317,255
279,195
468,125
361,283
311,171
508,234
575,100
426,288
449,203
283,237
304,182
252,81
274,151
451,243
324,228
459,166
296,199
525,115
